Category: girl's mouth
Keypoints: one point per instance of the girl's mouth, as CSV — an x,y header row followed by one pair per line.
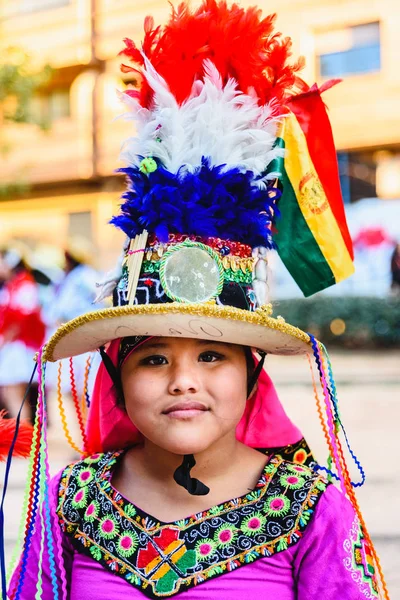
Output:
x,y
185,410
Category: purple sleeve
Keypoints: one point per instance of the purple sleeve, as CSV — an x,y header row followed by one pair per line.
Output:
x,y
30,575
333,560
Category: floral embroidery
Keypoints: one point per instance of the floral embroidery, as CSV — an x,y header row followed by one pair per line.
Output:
x,y
79,500
127,544
108,528
205,548
85,476
292,481
225,535
360,562
164,558
299,453
277,506
92,511
253,524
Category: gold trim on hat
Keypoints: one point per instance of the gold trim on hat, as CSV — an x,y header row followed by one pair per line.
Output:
x,y
261,316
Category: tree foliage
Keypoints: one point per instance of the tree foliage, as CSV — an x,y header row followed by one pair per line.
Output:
x,y
19,81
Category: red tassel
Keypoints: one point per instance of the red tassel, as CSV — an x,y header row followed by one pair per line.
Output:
x,y
24,440
239,41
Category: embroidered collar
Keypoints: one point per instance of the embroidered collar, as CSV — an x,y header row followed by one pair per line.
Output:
x,y
164,558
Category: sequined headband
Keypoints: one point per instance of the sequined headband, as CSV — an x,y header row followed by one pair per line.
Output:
x,y
128,345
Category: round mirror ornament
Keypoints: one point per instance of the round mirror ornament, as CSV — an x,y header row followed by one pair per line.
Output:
x,y
191,272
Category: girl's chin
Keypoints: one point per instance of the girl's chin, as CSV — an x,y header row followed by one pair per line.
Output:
x,y
182,448
185,444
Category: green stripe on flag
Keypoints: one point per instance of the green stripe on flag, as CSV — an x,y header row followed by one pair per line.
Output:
x,y
295,243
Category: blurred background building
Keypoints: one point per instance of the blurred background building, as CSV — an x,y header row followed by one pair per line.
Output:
x,y
357,42
68,169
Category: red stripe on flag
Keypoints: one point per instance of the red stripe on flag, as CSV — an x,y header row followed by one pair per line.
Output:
x,y
311,114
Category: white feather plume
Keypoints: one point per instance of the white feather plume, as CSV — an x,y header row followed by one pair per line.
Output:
x,y
112,278
217,121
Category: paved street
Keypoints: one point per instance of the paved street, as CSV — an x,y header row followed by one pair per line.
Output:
x,y
369,396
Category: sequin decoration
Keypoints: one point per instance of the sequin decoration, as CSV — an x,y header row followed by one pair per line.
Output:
x,y
237,276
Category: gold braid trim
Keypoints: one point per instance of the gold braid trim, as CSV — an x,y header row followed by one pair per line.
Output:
x,y
261,316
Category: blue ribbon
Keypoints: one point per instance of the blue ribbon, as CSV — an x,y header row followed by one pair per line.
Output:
x,y
6,476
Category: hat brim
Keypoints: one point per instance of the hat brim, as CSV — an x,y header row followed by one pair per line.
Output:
x,y
209,321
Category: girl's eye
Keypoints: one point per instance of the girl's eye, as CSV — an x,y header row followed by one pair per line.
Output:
x,y
154,360
210,357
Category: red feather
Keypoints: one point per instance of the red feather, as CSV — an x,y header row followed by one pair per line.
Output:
x,y
239,41
24,440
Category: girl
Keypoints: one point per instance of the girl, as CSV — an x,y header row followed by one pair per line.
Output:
x,y
193,481
261,526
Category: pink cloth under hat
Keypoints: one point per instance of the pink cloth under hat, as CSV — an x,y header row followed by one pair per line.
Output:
x,y
264,423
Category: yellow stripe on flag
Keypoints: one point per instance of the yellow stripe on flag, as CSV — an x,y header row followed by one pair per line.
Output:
x,y
312,200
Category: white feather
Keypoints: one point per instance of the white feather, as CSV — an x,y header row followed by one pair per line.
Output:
x,y
217,121
112,278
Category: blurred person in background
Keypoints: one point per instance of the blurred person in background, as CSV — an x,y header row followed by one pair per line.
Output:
x,y
22,329
72,296
75,292
395,269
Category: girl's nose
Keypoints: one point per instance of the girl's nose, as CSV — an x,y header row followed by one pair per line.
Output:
x,y
184,379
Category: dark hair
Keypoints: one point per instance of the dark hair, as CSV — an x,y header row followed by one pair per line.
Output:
x,y
72,262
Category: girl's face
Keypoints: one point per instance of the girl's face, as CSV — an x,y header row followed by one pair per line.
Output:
x,y
183,394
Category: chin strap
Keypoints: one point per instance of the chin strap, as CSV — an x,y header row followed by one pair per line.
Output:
x,y
256,374
183,478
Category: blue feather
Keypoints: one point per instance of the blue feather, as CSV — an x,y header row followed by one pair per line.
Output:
x,y
207,203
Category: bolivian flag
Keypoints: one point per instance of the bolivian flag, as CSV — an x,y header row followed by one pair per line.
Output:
x,y
312,237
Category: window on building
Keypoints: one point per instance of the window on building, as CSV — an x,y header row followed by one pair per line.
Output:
x,y
80,225
51,106
36,5
349,51
357,172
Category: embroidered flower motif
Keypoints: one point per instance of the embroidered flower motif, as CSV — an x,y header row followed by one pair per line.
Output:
x,y
127,544
94,458
215,510
321,485
79,500
130,510
282,544
277,506
300,456
297,469
270,467
204,548
225,535
253,524
96,552
92,511
85,476
294,482
108,528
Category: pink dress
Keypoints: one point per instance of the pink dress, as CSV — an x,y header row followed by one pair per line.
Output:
x,y
294,537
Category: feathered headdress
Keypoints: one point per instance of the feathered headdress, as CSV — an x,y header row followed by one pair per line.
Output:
x,y
218,104
213,82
